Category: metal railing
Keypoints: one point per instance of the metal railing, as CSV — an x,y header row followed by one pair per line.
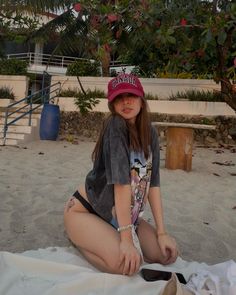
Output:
x,y
30,104
55,60
46,59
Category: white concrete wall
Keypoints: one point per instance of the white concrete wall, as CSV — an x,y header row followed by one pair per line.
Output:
x,y
163,107
204,108
161,87
87,82
52,70
18,84
166,87
67,104
5,102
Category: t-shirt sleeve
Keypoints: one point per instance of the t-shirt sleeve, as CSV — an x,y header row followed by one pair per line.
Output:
x,y
116,152
155,178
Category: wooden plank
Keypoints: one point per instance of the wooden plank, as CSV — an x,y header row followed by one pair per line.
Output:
x,y
179,148
184,125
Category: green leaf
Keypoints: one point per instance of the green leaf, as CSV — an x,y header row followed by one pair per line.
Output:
x,y
170,31
209,36
171,40
222,37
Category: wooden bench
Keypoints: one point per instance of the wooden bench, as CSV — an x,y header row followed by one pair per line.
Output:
x,y
179,143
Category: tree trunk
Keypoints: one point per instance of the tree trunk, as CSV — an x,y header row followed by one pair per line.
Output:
x,y
105,60
228,91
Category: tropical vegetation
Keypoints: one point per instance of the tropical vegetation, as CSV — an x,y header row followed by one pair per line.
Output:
x,y
83,67
13,67
176,36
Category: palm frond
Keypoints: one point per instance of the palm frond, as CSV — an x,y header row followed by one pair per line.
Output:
x,y
74,37
53,27
36,6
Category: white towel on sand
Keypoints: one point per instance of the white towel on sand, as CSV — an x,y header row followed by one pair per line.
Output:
x,y
57,271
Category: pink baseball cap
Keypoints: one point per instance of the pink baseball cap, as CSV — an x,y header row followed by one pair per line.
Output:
x,y
124,83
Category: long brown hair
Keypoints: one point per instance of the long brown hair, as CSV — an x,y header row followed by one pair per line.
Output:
x,y
139,133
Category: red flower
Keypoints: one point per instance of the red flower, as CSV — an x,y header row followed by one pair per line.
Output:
x,y
107,47
95,21
145,4
158,23
118,33
235,62
77,7
183,22
112,18
200,52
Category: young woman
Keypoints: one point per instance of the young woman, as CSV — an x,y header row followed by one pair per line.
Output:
x,y
104,217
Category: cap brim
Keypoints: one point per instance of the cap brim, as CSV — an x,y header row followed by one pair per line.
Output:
x,y
127,90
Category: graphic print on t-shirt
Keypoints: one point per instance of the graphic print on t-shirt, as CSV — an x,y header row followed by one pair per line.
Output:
x,y
140,181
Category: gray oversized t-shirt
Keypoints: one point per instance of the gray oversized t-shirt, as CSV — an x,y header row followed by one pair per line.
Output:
x,y
113,166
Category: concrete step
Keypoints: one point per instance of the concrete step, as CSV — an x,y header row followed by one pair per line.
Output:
x,y
13,135
17,129
36,113
23,121
16,139
6,102
11,142
20,132
15,115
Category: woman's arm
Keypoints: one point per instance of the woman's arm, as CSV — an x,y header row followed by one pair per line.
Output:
x,y
167,243
156,207
128,253
123,209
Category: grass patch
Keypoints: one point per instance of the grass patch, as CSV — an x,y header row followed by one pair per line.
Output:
x,y
198,95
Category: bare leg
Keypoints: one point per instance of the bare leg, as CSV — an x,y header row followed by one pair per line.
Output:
x,y
149,243
97,240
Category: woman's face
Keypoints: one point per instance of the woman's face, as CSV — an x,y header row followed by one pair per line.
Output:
x,y
128,106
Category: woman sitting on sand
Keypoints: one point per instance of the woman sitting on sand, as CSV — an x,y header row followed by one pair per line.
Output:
x,y
104,217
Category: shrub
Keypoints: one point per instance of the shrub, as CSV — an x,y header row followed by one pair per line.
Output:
x,y
183,75
150,96
198,95
113,73
85,102
84,68
6,92
69,92
75,92
136,71
13,67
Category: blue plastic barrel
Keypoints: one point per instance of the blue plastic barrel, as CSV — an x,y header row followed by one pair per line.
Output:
x,y
49,122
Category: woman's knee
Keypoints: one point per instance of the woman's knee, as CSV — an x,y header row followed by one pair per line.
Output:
x,y
157,258
115,267
108,264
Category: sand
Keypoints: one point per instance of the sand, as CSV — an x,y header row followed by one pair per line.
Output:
x,y
36,180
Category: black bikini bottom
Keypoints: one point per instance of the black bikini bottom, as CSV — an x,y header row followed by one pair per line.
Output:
x,y
84,202
90,209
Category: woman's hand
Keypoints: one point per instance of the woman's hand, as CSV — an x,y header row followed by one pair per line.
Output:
x,y
130,258
168,247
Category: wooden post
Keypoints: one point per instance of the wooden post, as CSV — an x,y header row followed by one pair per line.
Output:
x,y
179,148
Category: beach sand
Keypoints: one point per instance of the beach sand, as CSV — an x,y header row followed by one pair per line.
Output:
x,y
37,178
